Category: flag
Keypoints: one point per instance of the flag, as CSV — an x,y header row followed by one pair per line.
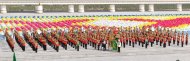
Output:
x,y
114,44
14,57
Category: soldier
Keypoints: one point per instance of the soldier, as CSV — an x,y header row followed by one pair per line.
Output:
x,y
41,41
151,39
156,35
146,41
124,39
127,38
164,40
133,41
20,40
157,39
140,39
104,44
169,40
174,36
143,40
110,38
161,39
63,40
186,42
118,42
130,40
182,39
178,38
9,40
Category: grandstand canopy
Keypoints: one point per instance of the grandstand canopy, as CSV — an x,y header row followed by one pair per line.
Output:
x,y
93,1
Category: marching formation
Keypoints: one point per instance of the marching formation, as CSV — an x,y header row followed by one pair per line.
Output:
x,y
98,37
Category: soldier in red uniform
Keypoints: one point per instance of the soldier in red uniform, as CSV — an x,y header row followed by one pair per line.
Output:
x,y
139,39
136,39
133,41
161,39
157,36
169,40
124,39
143,40
169,37
9,40
151,39
146,41
20,40
164,40
130,39
157,39
186,40
178,38
182,39
127,38
174,37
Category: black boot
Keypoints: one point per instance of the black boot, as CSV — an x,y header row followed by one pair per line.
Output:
x,y
85,46
142,44
169,43
129,43
177,43
133,44
77,48
124,45
98,47
151,44
186,42
118,49
173,41
160,43
146,45
164,45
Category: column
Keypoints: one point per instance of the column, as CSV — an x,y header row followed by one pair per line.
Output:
x,y
179,7
112,8
81,8
39,9
3,9
141,8
151,7
71,8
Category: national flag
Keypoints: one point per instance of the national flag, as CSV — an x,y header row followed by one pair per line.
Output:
x,y
114,44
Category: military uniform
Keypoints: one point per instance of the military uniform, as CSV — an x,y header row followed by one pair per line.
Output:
x,y
186,42
182,39
178,39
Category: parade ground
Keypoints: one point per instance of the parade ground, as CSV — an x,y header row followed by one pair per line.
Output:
x,y
138,53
